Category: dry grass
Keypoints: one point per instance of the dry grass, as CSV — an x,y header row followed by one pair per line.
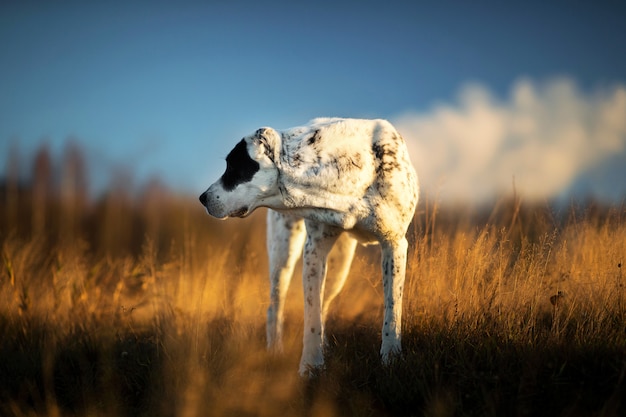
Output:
x,y
155,309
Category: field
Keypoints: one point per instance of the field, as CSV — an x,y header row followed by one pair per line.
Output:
x,y
139,304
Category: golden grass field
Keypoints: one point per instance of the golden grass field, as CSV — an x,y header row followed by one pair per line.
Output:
x,y
141,305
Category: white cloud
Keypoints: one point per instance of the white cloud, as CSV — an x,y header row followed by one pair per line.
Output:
x,y
545,135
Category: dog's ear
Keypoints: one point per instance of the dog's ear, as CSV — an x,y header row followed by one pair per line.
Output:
x,y
269,141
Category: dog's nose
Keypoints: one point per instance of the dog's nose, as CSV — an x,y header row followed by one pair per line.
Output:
x,y
203,198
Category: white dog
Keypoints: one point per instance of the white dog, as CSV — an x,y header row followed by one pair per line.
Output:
x,y
323,179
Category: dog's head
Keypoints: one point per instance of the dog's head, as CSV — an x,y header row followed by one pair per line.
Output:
x,y
250,179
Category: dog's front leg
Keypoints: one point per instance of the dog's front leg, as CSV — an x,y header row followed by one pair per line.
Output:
x,y
394,268
319,241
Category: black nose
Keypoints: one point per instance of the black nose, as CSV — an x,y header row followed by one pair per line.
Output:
x,y
203,198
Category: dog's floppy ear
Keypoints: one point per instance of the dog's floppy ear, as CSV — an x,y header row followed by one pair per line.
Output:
x,y
269,141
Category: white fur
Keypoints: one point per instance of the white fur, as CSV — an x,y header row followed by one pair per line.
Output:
x,y
323,179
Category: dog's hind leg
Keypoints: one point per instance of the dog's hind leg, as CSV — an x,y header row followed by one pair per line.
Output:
x,y
285,239
319,241
394,254
339,261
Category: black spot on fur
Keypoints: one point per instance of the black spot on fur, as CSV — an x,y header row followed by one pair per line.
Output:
x,y
316,136
386,156
240,168
378,151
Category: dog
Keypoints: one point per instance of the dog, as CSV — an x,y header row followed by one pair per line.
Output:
x,y
330,183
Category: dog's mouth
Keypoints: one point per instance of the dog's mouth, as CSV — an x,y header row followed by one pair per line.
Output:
x,y
242,212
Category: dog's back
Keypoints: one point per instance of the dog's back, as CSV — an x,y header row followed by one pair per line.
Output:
x,y
358,169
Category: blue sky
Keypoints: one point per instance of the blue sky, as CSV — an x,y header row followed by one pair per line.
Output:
x,y
167,88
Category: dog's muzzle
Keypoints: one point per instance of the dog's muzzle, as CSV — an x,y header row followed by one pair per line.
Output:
x,y
213,206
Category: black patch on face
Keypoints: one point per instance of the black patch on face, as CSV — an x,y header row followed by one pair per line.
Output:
x,y
240,168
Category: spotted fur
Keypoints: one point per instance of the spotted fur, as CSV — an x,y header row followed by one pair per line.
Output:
x,y
329,184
